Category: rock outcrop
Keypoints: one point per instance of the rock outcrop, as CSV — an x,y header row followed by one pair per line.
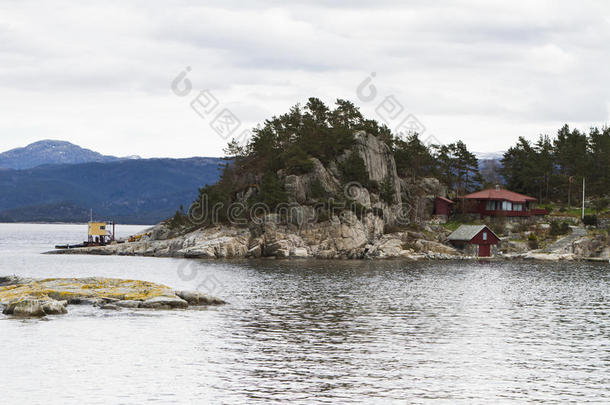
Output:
x,y
38,298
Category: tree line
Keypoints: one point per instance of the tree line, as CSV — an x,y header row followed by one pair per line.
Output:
x,y
290,140
552,169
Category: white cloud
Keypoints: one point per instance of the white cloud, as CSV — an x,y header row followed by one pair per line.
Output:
x,y
98,73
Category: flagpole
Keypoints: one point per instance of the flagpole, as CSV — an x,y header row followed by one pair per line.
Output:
x,y
583,198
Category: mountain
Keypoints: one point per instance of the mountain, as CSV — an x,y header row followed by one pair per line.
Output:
x,y
138,191
489,155
51,152
489,166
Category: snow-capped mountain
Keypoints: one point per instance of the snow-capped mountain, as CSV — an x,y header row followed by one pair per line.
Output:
x,y
489,155
51,152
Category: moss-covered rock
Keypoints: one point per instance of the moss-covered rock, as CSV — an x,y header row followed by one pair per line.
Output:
x,y
29,297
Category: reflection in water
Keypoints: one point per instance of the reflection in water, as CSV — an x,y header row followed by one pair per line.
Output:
x,y
304,331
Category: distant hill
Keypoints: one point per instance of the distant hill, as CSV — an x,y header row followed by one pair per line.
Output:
x,y
489,155
52,152
142,191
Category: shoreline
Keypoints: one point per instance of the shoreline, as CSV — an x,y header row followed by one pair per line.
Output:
x,y
531,256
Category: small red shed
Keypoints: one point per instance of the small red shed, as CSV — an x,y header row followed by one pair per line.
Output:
x,y
477,240
442,206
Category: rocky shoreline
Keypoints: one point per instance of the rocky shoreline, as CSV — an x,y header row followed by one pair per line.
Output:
x,y
24,297
342,238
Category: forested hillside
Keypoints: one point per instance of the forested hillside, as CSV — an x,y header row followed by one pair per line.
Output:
x,y
552,168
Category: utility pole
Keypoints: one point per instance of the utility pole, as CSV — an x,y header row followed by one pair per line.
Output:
x,y
583,198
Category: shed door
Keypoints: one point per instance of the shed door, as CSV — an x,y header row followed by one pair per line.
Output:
x,y
484,250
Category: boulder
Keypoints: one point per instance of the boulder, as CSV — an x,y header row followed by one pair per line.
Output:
x,y
428,246
128,304
388,247
26,307
110,307
164,302
54,307
84,301
197,298
299,252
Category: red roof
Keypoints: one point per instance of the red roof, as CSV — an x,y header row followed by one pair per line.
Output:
x,y
499,194
445,199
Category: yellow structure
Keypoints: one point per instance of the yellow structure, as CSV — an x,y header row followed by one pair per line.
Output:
x,y
97,229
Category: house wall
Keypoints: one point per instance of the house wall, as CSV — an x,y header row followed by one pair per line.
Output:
x,y
473,249
442,207
491,238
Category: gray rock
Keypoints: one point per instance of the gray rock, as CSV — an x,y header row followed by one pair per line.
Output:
x,y
299,252
128,303
164,302
54,307
28,307
379,160
197,298
12,280
84,301
111,307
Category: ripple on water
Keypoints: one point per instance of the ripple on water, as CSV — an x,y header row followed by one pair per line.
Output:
x,y
336,332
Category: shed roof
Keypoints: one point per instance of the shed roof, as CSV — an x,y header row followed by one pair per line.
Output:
x,y
467,232
498,194
445,199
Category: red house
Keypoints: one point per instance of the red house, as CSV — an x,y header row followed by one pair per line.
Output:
x,y
442,206
476,240
495,202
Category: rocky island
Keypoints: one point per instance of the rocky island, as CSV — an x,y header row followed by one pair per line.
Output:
x,y
24,297
330,184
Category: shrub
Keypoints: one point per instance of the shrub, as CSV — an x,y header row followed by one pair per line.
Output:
x,y
354,169
387,191
532,241
317,191
297,161
271,191
590,220
322,215
178,220
559,228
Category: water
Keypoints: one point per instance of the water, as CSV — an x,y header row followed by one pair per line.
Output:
x,y
312,331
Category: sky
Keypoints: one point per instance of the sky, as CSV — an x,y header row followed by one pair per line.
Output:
x,y
180,78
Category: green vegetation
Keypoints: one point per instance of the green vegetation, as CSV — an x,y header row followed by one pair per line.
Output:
x,y
532,241
289,143
558,228
386,189
553,169
590,220
454,165
354,170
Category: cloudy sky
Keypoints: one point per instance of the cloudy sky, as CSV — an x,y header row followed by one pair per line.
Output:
x,y
99,74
